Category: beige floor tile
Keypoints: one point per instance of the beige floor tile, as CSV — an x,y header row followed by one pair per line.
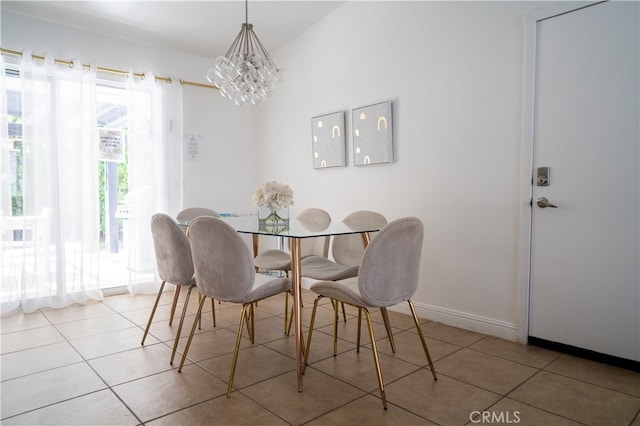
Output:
x,y
579,401
255,364
211,344
133,364
446,401
349,330
40,387
131,302
104,408
508,411
93,326
524,354
322,345
324,316
141,316
162,331
614,378
358,369
164,393
409,348
111,342
453,335
227,315
48,387
32,338
207,307
368,411
321,394
269,329
19,321
237,410
78,312
35,360
274,305
485,371
396,319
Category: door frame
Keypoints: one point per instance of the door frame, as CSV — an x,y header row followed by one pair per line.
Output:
x,y
525,236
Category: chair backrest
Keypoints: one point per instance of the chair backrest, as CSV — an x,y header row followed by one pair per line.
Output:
x,y
348,249
222,260
390,266
188,214
173,253
314,219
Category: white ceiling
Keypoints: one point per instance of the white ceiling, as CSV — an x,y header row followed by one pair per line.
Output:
x,y
205,28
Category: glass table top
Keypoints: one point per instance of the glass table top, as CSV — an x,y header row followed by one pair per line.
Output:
x,y
249,224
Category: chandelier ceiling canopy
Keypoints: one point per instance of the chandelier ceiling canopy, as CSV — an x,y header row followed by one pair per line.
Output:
x,y
246,73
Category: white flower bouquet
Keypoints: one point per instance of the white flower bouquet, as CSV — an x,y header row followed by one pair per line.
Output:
x,y
273,195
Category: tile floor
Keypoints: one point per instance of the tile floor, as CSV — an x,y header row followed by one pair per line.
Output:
x,y
84,365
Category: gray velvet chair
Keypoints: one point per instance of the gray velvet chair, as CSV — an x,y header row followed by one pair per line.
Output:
x,y
347,251
190,213
224,270
280,260
388,275
185,217
174,264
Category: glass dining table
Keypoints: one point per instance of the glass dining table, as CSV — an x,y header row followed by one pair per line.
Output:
x,y
295,231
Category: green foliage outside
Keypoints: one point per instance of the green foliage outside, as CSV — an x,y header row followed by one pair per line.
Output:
x,y
123,187
17,205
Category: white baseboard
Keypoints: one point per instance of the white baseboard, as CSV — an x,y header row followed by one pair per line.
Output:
x,y
464,320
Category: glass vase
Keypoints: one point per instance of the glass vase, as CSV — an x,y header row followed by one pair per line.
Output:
x,y
273,220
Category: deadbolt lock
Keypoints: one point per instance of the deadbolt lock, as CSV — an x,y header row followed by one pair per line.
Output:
x,y
542,176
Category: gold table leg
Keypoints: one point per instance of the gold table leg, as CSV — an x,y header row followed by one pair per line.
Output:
x,y
296,282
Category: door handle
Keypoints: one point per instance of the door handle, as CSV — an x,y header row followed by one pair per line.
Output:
x,y
543,203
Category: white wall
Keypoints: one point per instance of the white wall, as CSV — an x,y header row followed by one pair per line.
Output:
x,y
454,73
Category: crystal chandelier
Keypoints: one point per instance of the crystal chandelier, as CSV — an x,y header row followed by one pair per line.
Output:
x,y
246,73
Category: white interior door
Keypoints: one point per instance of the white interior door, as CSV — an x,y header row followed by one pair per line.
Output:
x,y
585,256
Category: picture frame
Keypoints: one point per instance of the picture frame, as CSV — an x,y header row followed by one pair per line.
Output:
x,y
328,140
372,127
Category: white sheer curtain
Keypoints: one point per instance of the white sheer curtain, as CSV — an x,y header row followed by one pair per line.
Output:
x,y
155,168
55,261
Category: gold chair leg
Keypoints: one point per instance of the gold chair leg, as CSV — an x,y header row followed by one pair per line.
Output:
x,y
176,296
193,330
387,325
286,311
153,312
291,316
424,343
334,303
374,350
359,329
213,311
313,318
184,312
243,313
344,313
248,314
253,324
200,297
